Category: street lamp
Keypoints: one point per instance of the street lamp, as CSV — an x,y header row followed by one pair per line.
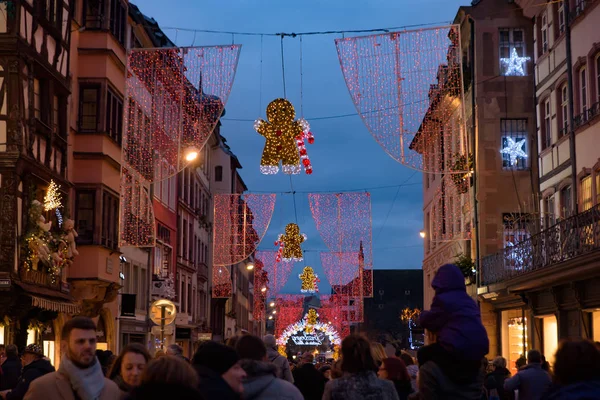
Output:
x,y
263,289
272,304
274,311
191,154
270,317
250,267
422,234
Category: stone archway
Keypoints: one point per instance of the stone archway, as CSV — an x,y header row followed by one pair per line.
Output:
x,y
109,328
59,323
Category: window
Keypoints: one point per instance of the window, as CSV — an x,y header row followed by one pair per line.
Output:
x,y
561,17
598,78
118,19
579,6
189,296
566,202
544,31
515,148
114,116
85,216
515,228
564,111
37,101
547,128
110,220
41,100
52,11
89,98
586,193
549,216
512,53
93,14
218,173
583,90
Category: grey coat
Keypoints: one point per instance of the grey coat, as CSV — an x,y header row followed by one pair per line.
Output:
x,y
531,382
262,384
283,366
361,386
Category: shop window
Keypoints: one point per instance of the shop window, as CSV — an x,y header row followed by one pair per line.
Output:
x,y
514,142
514,337
550,337
586,193
512,53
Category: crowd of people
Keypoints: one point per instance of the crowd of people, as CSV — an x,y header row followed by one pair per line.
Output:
x,y
453,366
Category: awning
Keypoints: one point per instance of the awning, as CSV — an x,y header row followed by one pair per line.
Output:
x,y
58,306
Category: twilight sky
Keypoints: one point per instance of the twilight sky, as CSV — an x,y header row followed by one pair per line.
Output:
x,y
345,156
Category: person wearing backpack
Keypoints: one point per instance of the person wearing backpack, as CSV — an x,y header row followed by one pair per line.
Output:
x,y
283,366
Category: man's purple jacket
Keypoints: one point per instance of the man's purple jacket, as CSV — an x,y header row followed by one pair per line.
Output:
x,y
455,317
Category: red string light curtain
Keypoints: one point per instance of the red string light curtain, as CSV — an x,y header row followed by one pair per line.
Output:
x,y
136,213
278,273
240,222
344,223
261,280
332,310
394,78
290,309
175,97
451,210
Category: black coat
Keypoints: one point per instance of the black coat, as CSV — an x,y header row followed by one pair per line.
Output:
x,y
11,371
213,386
32,371
309,381
404,389
495,380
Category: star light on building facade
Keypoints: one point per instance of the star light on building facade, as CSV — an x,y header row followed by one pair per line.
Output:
x,y
514,64
514,150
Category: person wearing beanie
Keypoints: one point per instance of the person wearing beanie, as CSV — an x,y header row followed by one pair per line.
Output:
x,y
219,371
262,382
283,366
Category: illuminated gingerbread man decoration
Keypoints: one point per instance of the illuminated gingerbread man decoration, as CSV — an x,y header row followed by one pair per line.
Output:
x,y
289,243
284,139
309,280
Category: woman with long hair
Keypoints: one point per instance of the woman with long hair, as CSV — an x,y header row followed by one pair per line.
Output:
x,y
393,369
127,369
359,380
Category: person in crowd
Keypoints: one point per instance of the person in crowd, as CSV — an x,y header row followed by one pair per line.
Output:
x,y
378,352
219,371
34,366
494,381
325,370
308,379
175,350
11,368
546,365
159,354
455,320
521,362
167,377
576,371
232,341
261,382
359,379
281,362
106,359
80,374
127,369
531,381
393,369
411,367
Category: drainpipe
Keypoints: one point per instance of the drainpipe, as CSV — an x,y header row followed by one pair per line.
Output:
x,y
572,154
474,150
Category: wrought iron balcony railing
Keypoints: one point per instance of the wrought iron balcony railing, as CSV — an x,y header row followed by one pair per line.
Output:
x,y
566,240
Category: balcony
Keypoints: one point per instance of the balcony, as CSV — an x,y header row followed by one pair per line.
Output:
x,y
568,239
587,115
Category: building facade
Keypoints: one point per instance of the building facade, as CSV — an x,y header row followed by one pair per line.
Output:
x,y
545,288
488,210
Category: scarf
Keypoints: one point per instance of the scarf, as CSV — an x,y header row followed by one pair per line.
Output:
x,y
86,383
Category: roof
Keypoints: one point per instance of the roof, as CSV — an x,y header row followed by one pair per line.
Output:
x,y
158,37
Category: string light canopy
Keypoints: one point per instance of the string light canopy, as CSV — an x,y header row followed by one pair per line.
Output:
x,y
309,280
408,89
137,223
278,272
284,140
344,223
240,222
289,243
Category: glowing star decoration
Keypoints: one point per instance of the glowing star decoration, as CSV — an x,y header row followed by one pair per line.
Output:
x,y
309,280
284,139
514,150
514,64
52,199
289,244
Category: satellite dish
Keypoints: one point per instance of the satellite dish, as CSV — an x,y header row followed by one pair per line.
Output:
x,y
169,315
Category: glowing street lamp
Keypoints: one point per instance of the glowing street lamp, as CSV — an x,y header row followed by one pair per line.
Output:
x,y
272,304
191,154
250,267
422,234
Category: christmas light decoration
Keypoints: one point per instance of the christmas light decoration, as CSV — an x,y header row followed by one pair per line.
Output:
x,y
240,222
450,211
301,326
333,310
278,272
52,199
311,317
514,64
514,149
261,279
289,243
309,280
137,223
289,310
284,139
408,89
344,223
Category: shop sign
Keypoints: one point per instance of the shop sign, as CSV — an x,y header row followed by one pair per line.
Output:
x,y
5,283
306,339
204,336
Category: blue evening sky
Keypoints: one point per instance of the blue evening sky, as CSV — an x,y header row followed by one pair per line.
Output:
x,y
345,156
